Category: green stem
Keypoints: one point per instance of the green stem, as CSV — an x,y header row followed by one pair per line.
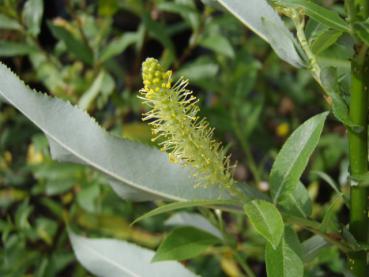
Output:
x,y
299,22
358,152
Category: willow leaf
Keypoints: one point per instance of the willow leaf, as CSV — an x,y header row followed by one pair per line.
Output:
x,y
113,258
137,170
292,159
260,17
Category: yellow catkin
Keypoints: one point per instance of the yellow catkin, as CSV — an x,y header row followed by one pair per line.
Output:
x,y
174,120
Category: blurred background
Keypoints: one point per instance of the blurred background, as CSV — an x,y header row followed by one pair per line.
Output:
x,y
89,53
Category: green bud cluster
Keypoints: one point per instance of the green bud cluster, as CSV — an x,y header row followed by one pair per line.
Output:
x,y
154,77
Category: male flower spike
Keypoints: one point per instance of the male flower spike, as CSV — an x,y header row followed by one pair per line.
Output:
x,y
187,139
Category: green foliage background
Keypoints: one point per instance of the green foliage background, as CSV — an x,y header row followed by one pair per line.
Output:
x,y
89,53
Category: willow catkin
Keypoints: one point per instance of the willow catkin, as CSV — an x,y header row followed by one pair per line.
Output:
x,y
173,116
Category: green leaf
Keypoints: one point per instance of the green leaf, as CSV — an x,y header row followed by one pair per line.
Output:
x,y
46,229
114,258
10,49
325,40
260,17
328,179
199,70
328,77
88,97
314,29
194,220
87,198
218,44
74,45
266,219
9,23
339,56
294,156
118,45
330,221
186,10
136,171
361,29
323,15
11,196
181,205
312,247
283,261
298,202
184,243
32,15
293,241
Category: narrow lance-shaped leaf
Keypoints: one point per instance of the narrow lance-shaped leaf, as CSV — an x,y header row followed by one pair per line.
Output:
x,y
9,23
323,15
181,205
73,44
294,156
88,97
325,40
118,46
312,247
135,168
114,258
219,44
328,179
260,17
11,48
32,15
